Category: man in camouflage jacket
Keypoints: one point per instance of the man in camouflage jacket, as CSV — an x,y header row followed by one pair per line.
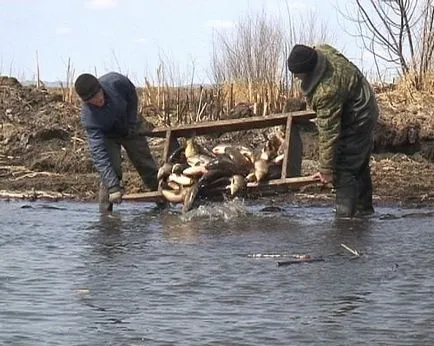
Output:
x,y
347,113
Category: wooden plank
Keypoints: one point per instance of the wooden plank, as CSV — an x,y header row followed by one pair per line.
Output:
x,y
230,125
167,145
153,196
295,152
150,196
290,182
286,146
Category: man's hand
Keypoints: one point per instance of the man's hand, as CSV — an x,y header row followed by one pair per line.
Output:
x,y
324,178
115,196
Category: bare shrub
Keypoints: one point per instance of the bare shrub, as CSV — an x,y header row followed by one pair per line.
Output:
x,y
251,61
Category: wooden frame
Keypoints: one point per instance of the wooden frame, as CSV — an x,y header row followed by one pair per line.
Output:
x,y
231,125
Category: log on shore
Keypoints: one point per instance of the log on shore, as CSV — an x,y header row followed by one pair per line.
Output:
x,y
34,195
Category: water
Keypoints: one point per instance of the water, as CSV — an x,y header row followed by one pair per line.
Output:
x,y
70,276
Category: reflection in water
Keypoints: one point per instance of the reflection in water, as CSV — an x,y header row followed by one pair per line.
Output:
x,y
207,219
109,222
355,225
109,265
355,233
345,305
107,235
178,230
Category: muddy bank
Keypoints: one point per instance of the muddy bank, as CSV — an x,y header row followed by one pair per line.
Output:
x,y
44,148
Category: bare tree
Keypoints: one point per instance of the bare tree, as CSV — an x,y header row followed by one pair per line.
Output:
x,y
398,32
426,44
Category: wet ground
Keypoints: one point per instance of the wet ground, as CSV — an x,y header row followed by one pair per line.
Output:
x,y
71,276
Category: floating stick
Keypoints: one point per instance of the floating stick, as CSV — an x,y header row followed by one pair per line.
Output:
x,y
301,260
354,252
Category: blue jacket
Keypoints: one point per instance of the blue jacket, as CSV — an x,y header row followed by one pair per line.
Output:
x,y
113,120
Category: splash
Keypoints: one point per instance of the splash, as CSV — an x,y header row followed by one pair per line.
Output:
x,y
226,211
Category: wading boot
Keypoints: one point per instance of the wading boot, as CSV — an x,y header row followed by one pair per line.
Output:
x,y
364,199
345,207
364,206
103,199
346,198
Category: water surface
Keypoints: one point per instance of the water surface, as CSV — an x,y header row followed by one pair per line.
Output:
x,y
71,276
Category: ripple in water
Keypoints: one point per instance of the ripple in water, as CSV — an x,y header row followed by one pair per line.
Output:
x,y
72,277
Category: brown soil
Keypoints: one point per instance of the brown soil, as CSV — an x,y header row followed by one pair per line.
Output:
x,y
44,148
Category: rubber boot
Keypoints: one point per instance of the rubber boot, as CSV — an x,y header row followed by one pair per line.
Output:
x,y
364,206
346,199
364,197
345,207
103,199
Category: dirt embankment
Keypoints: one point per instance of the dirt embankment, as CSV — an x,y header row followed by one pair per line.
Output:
x,y
44,148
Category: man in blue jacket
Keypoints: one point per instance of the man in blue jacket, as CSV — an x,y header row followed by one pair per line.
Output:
x,y
109,114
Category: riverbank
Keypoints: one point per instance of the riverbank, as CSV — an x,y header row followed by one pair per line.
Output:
x,y
397,179
44,149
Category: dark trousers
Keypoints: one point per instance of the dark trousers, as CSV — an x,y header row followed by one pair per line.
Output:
x,y
137,148
352,178
354,190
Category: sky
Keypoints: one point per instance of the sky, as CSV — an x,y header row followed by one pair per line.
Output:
x,y
134,36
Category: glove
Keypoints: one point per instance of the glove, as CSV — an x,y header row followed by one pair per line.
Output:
x,y
115,195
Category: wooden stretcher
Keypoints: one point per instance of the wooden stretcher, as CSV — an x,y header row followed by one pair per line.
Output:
x,y
231,125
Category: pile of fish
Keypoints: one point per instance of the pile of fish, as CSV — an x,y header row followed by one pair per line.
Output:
x,y
194,172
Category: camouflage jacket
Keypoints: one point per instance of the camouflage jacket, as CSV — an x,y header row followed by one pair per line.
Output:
x,y
344,102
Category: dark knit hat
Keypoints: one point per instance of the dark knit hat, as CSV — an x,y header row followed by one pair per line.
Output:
x,y
86,86
302,59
